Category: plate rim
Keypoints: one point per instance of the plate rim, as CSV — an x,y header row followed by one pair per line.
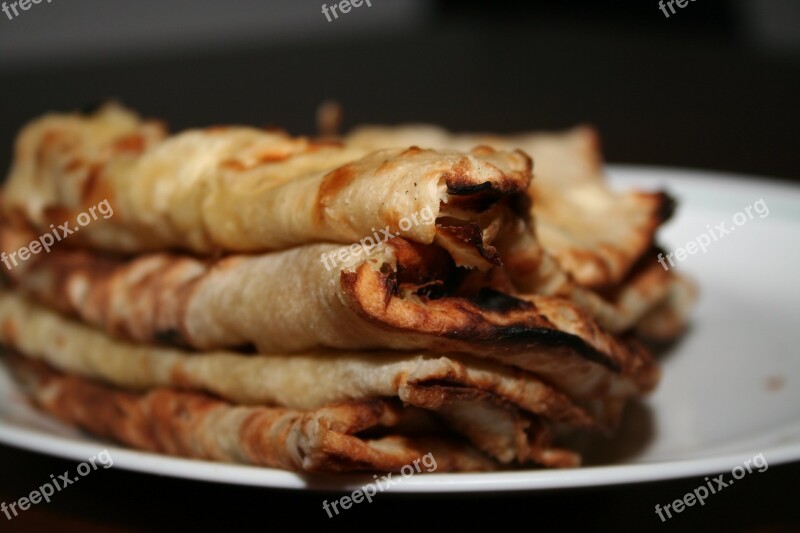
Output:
x,y
518,480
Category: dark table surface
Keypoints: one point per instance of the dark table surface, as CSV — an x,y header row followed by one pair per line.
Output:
x,y
665,97
116,500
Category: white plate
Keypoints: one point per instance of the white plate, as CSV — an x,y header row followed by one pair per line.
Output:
x,y
730,389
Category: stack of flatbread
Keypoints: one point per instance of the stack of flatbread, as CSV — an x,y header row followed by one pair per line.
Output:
x,y
329,305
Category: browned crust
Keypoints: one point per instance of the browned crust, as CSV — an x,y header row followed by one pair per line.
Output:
x,y
467,193
332,184
506,434
609,265
454,377
493,320
405,303
467,246
517,335
516,327
434,394
199,426
82,164
57,141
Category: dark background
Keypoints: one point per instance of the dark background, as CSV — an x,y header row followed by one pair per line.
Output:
x,y
714,86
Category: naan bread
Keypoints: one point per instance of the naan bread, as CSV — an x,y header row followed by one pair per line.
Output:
x,y
484,329
246,189
587,236
298,381
596,234
403,297
243,189
533,272
202,427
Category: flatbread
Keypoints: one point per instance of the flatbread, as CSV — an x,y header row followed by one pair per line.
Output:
x,y
584,241
298,381
460,318
242,189
396,298
199,426
595,234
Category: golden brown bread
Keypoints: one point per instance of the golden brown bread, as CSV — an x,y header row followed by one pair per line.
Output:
x,y
298,381
202,427
536,293
587,236
596,234
242,189
245,189
401,297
